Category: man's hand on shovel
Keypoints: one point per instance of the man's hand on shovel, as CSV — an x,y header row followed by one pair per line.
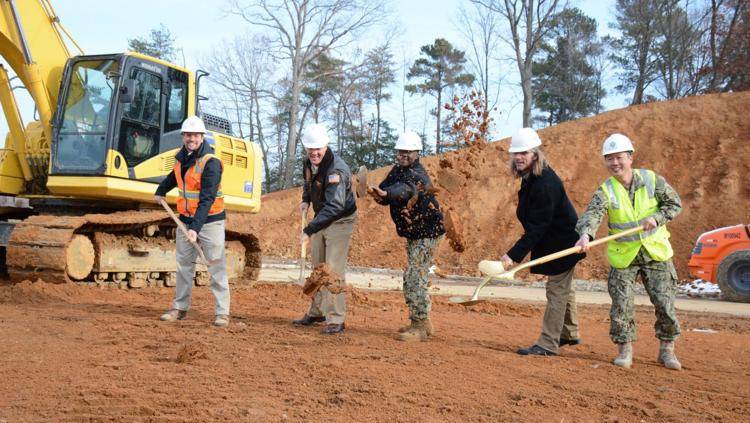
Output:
x,y
191,235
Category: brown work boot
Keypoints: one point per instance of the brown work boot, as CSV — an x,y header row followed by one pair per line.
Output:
x,y
222,320
427,327
408,327
418,332
625,357
173,315
667,356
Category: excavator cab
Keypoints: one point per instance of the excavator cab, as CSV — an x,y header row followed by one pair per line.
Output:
x,y
116,130
117,112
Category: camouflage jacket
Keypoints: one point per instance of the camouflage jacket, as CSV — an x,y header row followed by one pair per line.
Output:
x,y
669,201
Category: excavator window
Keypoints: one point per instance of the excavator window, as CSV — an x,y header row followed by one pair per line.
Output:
x,y
141,120
177,104
81,144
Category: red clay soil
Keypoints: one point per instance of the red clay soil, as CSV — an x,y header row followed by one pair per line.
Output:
x,y
77,353
701,145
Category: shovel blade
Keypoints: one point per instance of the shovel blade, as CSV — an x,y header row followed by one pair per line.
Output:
x,y
465,301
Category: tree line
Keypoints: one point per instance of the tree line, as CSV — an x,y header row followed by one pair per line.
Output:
x,y
300,62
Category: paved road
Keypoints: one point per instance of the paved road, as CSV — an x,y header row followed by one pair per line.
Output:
x,y
387,280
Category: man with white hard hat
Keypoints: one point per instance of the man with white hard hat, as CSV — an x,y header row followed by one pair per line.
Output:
x,y
408,190
632,198
328,187
548,219
197,176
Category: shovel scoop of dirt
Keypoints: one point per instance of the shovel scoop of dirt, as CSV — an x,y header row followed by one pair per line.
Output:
x,y
323,276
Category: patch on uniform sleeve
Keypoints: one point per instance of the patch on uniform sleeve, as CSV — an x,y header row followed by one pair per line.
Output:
x,y
334,178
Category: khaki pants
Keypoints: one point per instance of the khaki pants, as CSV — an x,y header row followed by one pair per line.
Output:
x,y
211,239
560,316
331,246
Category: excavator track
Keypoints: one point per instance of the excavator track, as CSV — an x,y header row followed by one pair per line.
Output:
x,y
128,249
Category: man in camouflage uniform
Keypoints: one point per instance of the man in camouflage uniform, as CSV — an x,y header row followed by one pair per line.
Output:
x,y
414,209
631,198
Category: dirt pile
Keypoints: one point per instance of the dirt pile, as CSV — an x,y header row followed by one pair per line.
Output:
x,y
191,352
699,144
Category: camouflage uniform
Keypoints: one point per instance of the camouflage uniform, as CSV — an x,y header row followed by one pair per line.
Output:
x,y
659,278
419,253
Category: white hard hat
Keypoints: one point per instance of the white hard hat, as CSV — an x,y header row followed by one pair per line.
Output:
x,y
315,136
524,139
409,141
193,124
616,143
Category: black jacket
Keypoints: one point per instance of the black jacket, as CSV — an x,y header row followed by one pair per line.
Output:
x,y
424,219
548,220
329,191
210,181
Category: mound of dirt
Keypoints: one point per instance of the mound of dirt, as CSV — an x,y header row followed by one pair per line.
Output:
x,y
191,352
699,144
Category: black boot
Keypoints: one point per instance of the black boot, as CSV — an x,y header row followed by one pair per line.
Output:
x,y
564,342
535,350
333,328
308,320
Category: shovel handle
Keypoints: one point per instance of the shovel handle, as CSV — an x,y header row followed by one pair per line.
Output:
x,y
303,247
183,229
572,250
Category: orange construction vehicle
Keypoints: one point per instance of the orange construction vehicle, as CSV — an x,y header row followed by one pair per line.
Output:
x,y
722,256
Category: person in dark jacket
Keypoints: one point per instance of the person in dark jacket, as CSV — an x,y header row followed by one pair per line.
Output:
x,y
200,204
328,187
548,220
416,213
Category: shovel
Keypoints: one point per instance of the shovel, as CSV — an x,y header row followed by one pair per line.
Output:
x,y
303,254
185,231
494,269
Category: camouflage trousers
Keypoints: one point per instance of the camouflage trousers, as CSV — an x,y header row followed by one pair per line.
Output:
x,y
419,254
660,281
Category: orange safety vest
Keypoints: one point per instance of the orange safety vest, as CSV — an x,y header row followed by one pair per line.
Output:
x,y
190,188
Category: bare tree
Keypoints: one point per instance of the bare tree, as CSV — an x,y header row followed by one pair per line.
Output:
x,y
241,68
529,21
301,30
482,31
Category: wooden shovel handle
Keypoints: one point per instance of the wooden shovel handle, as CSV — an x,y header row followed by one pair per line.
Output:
x,y
303,247
183,229
573,250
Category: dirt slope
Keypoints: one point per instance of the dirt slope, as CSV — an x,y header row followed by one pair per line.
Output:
x,y
700,144
82,354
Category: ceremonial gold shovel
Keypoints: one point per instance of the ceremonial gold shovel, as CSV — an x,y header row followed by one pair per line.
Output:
x,y
495,269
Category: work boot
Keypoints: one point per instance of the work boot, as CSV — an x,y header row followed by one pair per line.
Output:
x,y
333,328
535,350
563,342
417,332
222,320
667,356
427,327
308,320
173,315
625,357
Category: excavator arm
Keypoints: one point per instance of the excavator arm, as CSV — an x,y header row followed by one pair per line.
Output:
x,y
31,41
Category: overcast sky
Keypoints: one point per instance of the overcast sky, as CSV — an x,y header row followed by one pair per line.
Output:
x,y
102,26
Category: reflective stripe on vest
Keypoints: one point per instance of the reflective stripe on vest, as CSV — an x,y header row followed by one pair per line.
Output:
x,y
189,190
623,214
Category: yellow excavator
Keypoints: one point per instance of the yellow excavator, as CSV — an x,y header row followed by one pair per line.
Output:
x,y
76,185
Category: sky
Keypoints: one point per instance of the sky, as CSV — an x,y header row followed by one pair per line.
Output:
x,y
103,26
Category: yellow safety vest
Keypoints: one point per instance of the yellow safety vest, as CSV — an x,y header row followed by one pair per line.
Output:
x,y
624,215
